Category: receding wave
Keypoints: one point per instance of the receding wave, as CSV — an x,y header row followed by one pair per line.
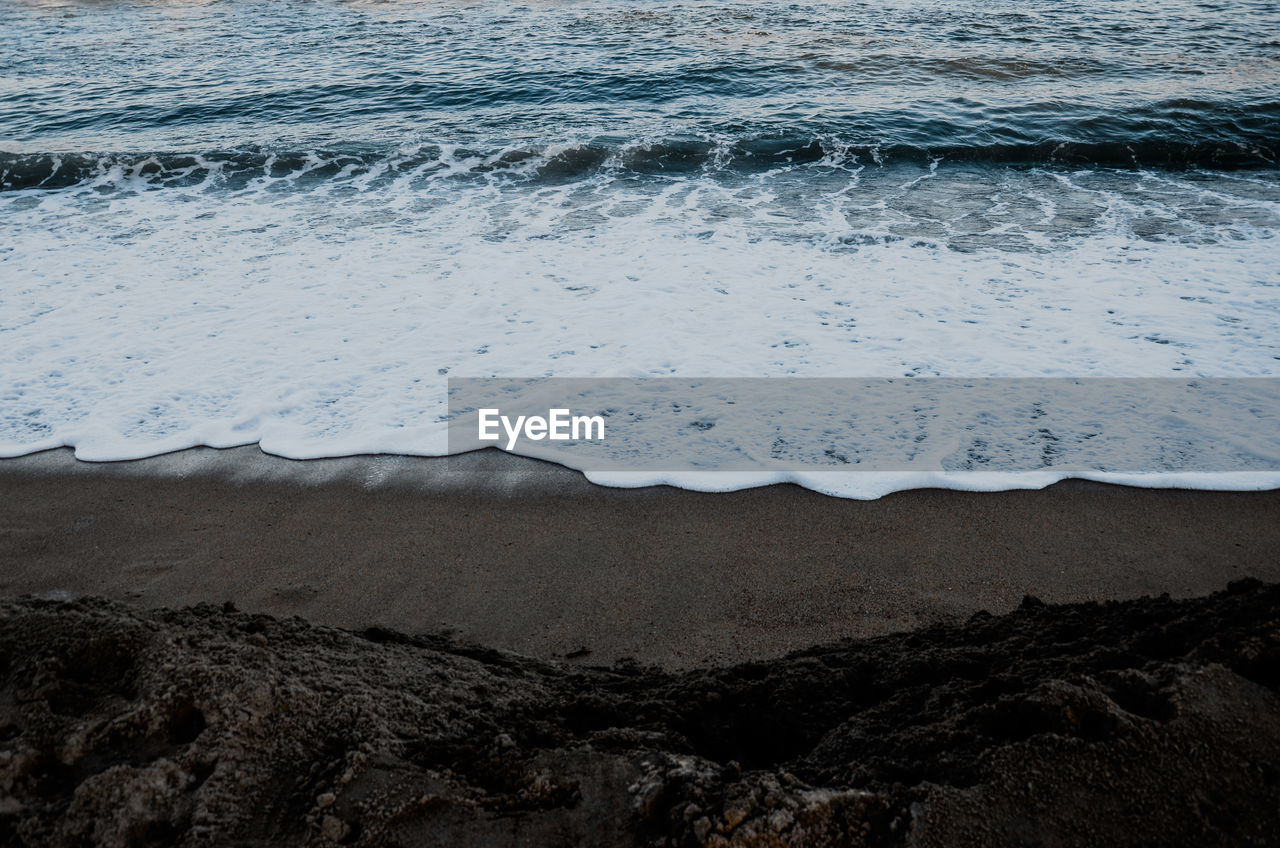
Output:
x,y
230,223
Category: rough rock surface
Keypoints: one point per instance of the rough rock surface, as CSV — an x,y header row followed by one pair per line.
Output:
x,y
1144,722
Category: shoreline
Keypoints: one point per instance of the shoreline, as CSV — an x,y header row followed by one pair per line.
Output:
x,y
534,559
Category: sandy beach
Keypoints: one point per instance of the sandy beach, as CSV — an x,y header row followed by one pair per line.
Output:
x,y
226,647
517,555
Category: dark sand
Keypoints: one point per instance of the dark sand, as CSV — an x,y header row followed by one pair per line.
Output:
x,y
1151,721
536,560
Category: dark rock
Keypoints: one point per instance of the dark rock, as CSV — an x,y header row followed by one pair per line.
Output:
x,y
1153,721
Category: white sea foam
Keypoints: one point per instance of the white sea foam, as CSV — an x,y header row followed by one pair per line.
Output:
x,y
323,317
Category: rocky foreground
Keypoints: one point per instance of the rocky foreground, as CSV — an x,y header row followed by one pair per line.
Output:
x,y
1144,722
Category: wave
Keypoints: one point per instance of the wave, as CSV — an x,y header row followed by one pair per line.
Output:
x,y
559,162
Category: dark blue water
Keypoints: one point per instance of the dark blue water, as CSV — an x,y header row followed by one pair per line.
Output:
x,y
1169,84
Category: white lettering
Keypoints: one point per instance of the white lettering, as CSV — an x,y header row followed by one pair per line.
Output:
x,y
513,433
486,422
587,423
560,426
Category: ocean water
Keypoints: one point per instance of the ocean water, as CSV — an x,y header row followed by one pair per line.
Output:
x,y
289,223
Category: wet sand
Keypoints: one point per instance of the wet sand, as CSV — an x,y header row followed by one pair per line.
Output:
x,y
534,559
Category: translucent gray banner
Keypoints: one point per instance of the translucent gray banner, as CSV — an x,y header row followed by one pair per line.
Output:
x,y
1108,425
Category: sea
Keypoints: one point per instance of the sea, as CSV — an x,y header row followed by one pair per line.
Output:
x,y
291,223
